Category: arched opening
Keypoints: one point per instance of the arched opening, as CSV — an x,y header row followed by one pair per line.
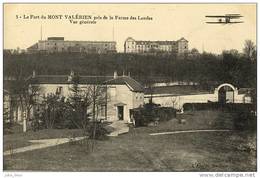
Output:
x,y
226,93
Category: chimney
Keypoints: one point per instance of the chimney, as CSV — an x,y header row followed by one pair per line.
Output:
x,y
70,77
115,74
33,74
72,73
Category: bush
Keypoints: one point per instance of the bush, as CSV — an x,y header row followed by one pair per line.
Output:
x,y
96,130
245,121
152,113
217,105
245,118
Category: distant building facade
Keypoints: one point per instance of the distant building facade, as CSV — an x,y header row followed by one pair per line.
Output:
x,y
177,47
58,44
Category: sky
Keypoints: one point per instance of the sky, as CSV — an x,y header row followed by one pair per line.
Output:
x,y
169,22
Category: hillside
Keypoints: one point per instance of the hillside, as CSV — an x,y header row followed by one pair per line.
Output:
x,y
203,68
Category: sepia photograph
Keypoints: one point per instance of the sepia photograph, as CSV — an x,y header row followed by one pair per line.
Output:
x,y
130,87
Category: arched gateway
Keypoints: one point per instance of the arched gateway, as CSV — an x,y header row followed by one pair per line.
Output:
x,y
226,93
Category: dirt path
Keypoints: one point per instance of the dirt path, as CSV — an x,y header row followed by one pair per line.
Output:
x,y
189,131
39,144
120,128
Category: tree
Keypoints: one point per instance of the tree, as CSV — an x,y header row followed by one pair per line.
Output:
x,y
84,103
52,113
26,93
194,52
78,105
27,98
250,50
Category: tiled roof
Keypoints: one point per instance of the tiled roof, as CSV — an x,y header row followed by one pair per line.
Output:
x,y
33,47
176,90
156,42
63,79
182,39
130,82
245,90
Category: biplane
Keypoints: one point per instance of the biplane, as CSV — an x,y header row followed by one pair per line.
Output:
x,y
225,19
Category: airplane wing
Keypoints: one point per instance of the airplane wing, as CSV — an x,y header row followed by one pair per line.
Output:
x,y
223,22
215,16
234,17
217,22
237,22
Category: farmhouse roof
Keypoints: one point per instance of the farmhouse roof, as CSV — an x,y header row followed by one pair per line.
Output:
x,y
132,84
63,79
126,80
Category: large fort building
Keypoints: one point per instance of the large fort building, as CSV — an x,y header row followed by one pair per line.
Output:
x,y
177,47
58,44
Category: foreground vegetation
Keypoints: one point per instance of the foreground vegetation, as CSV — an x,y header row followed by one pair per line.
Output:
x,y
139,151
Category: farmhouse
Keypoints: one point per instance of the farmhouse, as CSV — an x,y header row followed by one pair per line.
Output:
x,y
121,93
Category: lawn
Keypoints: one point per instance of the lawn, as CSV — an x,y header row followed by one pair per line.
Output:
x,y
139,151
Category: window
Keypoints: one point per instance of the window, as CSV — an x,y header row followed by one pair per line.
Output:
x,y
103,110
59,91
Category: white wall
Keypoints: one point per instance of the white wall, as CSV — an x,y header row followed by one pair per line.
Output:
x,y
122,94
178,101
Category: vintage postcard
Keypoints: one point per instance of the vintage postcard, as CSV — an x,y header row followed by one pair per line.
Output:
x,y
138,87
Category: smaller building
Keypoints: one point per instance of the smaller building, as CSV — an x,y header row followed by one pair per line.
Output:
x,y
141,47
177,96
58,44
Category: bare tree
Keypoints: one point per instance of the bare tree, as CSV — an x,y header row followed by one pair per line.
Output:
x,y
250,50
27,98
24,92
85,102
84,105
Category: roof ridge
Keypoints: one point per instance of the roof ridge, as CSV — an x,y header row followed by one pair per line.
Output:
x,y
79,75
134,80
51,75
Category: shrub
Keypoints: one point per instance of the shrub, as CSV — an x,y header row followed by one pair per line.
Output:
x,y
217,105
152,113
96,130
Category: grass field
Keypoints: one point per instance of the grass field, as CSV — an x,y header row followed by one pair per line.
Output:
x,y
139,151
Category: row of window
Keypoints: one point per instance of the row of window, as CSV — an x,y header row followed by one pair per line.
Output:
x,y
139,97
77,44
